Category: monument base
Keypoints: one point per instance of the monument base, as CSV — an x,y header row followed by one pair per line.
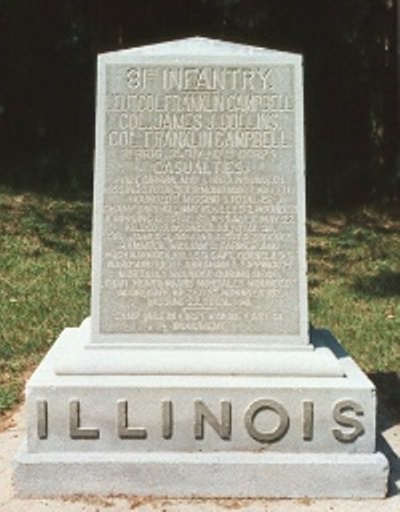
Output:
x,y
201,435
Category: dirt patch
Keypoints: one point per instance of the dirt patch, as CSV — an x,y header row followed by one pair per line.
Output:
x,y
7,418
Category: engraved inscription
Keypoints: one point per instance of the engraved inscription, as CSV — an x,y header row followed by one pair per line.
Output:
x,y
200,201
200,79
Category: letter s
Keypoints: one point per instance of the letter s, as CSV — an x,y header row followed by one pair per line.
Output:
x,y
347,421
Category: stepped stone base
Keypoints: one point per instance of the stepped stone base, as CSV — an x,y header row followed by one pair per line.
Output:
x,y
204,435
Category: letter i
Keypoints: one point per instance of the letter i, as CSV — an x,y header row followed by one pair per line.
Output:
x,y
42,419
308,420
167,419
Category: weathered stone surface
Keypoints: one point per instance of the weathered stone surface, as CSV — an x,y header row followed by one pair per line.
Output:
x,y
217,475
199,195
166,413
200,436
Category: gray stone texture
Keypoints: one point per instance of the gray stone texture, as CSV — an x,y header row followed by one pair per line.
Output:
x,y
307,431
199,194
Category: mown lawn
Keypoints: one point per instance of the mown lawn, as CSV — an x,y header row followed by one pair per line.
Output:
x,y
354,282
44,280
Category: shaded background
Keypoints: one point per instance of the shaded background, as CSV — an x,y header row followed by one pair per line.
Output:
x,y
48,54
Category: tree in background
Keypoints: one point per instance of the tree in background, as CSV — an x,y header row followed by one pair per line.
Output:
x,y
47,90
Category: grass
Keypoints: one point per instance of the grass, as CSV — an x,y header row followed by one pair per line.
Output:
x,y
354,282
44,281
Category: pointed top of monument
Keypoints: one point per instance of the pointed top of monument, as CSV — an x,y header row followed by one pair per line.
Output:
x,y
199,48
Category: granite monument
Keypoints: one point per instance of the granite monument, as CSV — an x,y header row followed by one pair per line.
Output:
x,y
197,373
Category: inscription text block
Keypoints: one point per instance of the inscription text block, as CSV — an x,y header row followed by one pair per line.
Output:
x,y
200,213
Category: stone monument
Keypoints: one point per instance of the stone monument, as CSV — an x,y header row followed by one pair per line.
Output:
x,y
196,374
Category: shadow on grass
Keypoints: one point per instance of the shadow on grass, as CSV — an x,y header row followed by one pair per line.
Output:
x,y
62,217
56,224
60,246
57,227
388,389
385,284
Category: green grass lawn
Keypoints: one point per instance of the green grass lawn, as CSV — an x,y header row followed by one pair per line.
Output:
x,y
354,282
44,280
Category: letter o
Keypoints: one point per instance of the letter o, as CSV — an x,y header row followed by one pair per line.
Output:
x,y
123,121
254,410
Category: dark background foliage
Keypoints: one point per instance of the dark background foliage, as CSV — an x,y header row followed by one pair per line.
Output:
x,y
48,54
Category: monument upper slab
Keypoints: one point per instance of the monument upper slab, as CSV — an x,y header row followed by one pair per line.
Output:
x,y
199,223
198,47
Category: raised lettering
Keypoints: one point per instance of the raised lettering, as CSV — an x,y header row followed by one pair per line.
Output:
x,y
255,409
133,78
75,429
348,421
42,419
124,431
223,427
167,419
308,420
200,173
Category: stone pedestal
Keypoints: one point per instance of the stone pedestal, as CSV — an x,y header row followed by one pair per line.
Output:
x,y
200,435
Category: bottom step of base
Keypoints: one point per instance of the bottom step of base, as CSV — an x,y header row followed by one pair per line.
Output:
x,y
185,475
